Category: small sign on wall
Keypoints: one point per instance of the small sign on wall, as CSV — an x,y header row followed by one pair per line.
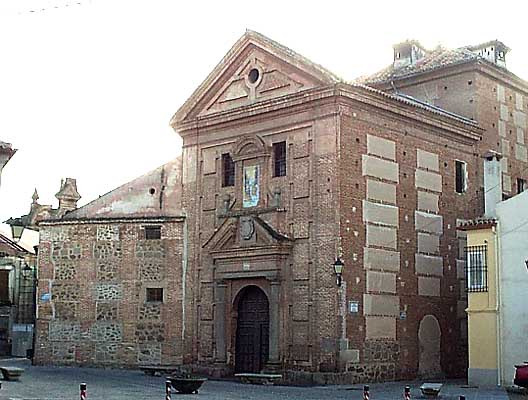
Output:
x,y
45,297
245,266
403,315
353,307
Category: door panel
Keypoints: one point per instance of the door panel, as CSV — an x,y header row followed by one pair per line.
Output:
x,y
252,337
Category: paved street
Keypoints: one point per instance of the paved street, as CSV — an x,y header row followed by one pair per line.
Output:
x,y
46,383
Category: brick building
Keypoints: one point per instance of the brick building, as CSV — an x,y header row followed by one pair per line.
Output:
x,y
471,81
223,260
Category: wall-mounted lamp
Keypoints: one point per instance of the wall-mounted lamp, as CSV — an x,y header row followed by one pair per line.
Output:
x,y
526,263
338,270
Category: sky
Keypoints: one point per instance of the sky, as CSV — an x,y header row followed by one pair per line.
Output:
x,y
87,87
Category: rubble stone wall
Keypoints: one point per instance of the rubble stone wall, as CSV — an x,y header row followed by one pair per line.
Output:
x,y
93,308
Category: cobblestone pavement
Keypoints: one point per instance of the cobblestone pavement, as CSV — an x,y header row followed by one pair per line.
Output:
x,y
53,383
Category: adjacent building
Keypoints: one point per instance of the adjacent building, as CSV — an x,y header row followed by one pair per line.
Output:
x,y
6,152
16,299
223,259
17,288
497,283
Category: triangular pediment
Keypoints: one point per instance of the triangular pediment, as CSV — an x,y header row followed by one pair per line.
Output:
x,y
245,233
255,69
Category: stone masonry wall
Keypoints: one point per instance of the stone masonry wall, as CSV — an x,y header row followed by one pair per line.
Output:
x,y
92,306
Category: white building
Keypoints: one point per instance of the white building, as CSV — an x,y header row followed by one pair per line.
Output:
x,y
512,216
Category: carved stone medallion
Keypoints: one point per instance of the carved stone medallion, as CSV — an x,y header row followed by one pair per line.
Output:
x,y
247,228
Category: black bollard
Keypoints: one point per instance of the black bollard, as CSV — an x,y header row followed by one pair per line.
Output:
x,y
167,390
407,393
366,394
82,388
462,397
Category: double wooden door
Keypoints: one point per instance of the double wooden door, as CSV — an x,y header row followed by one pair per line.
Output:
x,y
252,335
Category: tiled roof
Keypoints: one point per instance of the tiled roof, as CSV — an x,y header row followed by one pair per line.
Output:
x,y
442,58
434,59
479,223
10,247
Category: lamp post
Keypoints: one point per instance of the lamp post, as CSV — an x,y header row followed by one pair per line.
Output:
x,y
338,266
27,271
338,270
29,315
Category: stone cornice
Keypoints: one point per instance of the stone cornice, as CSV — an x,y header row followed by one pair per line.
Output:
x,y
275,104
455,127
235,253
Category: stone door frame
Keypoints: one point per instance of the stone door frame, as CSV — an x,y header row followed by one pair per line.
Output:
x,y
226,317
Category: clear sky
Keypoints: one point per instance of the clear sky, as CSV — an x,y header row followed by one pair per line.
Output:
x,y
87,87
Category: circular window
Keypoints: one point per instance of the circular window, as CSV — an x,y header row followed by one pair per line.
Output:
x,y
253,75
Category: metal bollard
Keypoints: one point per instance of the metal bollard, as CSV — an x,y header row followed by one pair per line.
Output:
x,y
82,387
462,397
167,390
407,393
366,394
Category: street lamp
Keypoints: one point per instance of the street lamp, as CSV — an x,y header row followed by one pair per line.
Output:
x,y
17,227
338,269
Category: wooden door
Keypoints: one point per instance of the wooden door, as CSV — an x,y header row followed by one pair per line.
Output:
x,y
252,337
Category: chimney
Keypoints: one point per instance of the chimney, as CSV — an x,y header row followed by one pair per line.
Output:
x,y
407,53
492,183
67,196
493,51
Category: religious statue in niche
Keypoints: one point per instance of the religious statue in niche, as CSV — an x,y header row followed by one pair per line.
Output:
x,y
251,186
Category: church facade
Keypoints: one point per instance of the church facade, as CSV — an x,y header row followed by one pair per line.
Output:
x,y
222,261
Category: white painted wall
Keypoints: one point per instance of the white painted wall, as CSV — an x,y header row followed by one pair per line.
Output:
x,y
513,277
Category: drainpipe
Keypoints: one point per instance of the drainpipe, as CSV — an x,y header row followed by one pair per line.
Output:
x,y
184,278
498,265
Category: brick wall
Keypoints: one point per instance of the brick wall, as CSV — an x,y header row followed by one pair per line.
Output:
x,y
398,221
